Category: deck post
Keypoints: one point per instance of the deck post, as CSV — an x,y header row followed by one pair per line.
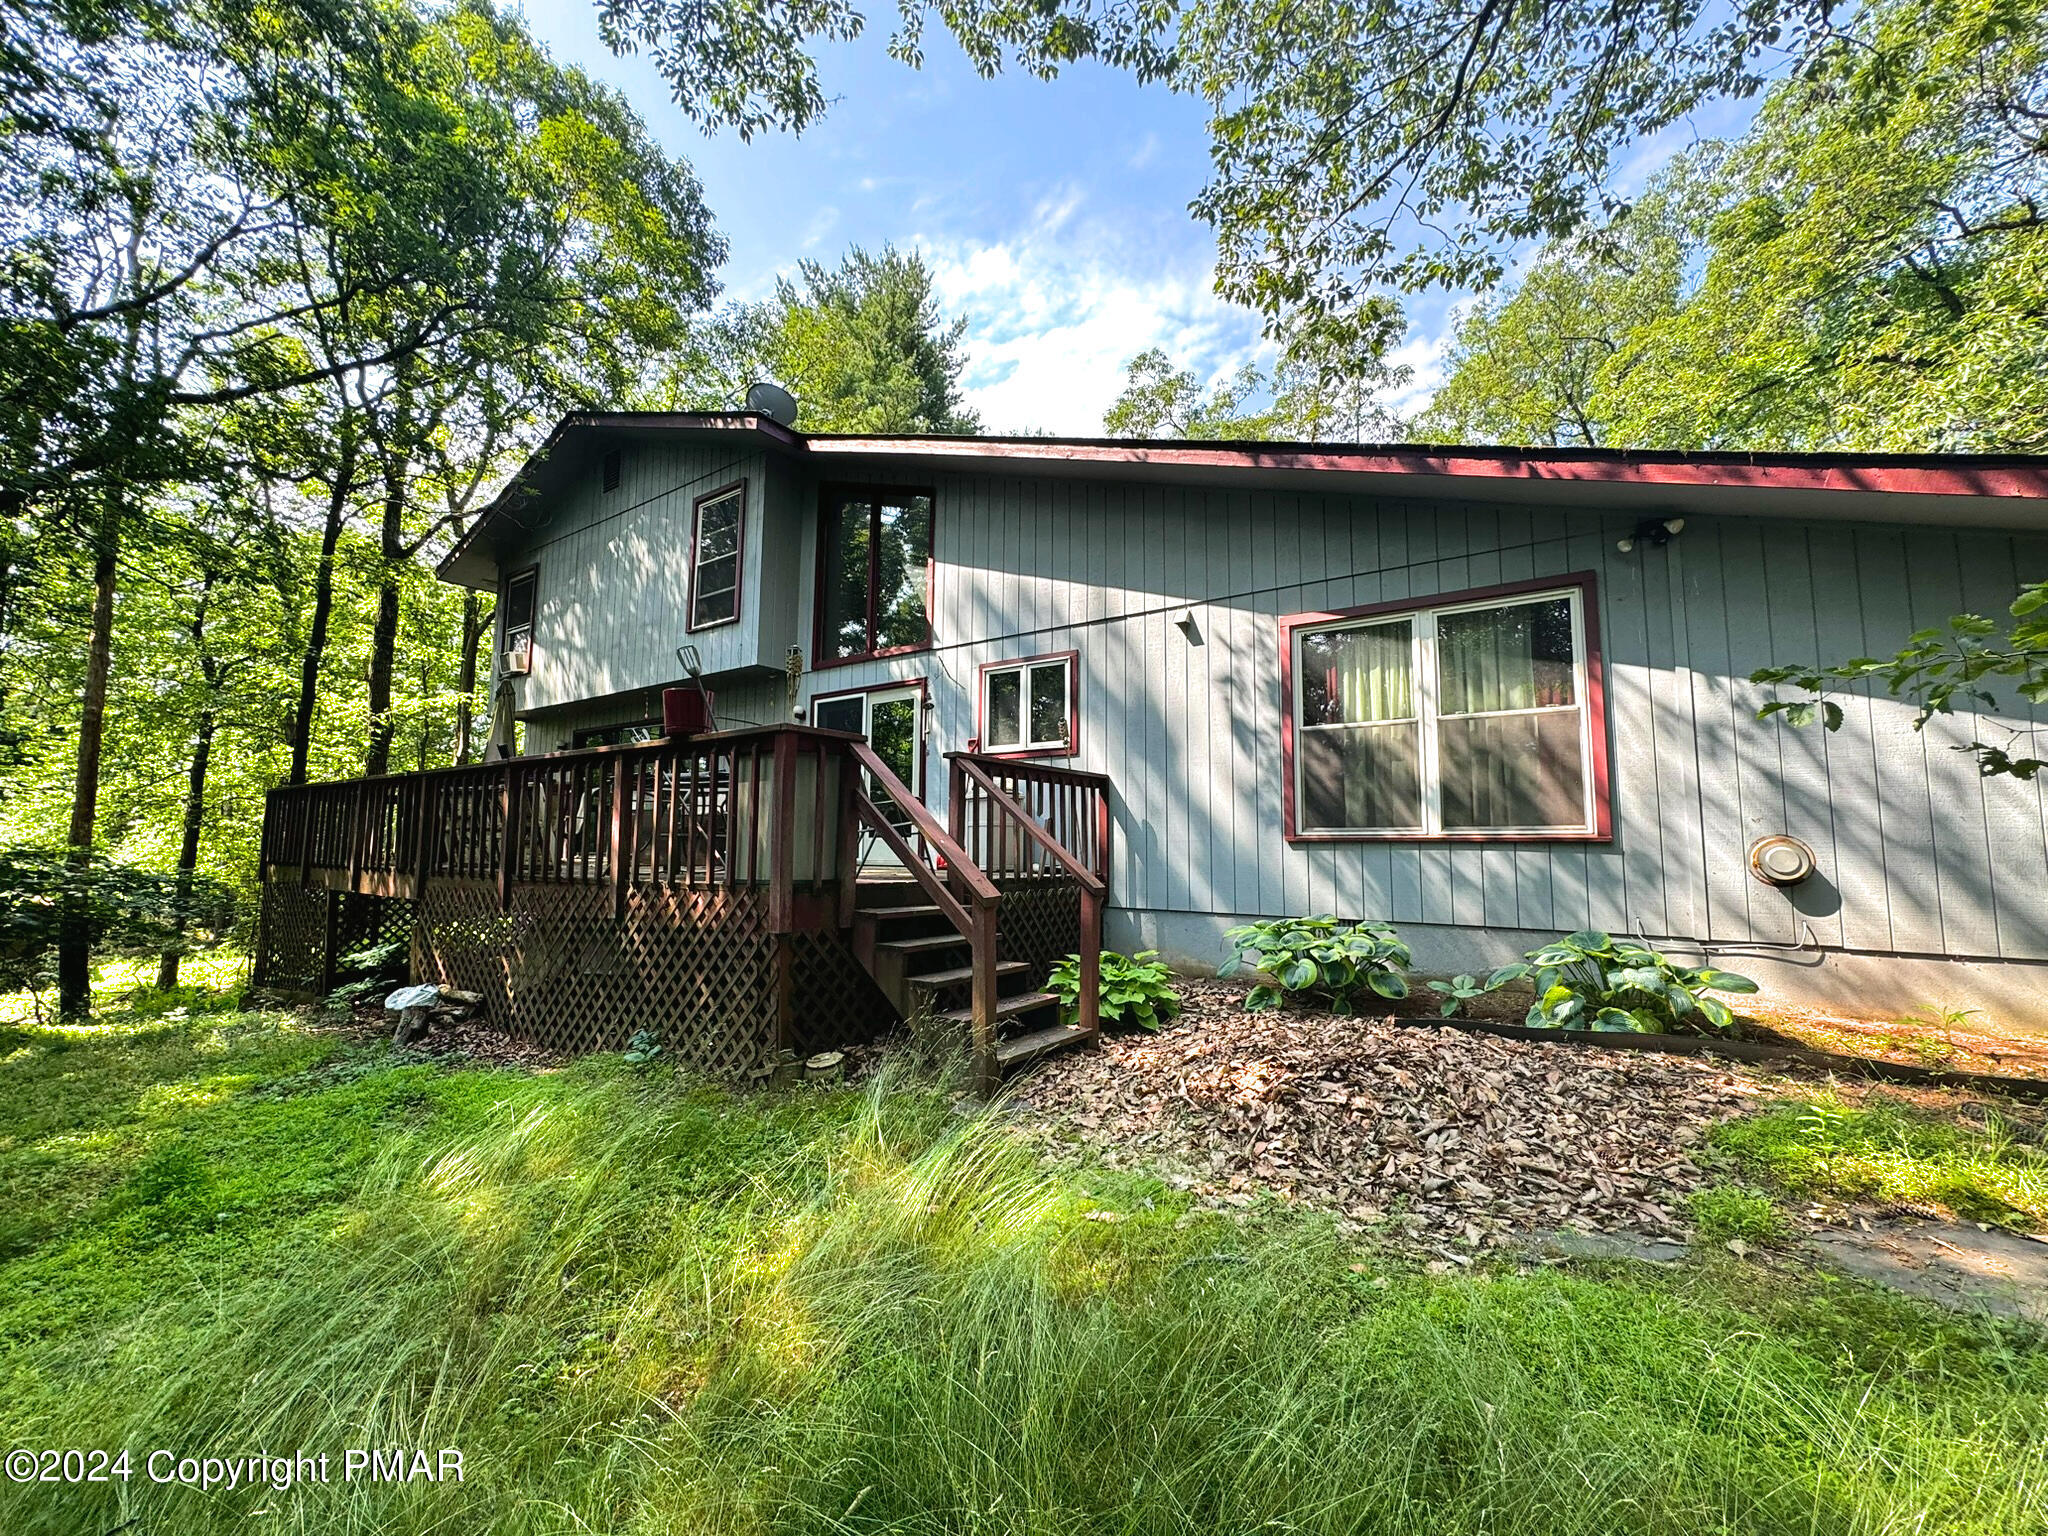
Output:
x,y
982,948
508,835
1090,1000
356,831
782,837
849,836
622,876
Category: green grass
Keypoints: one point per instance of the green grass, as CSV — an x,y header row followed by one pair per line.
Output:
x,y
1815,1146
1731,1212
638,1304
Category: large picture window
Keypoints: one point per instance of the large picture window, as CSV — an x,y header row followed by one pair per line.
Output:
x,y
1463,718
715,541
1028,706
874,578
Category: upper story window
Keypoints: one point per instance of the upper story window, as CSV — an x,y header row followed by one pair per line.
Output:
x,y
715,537
1028,706
516,608
874,573
1459,719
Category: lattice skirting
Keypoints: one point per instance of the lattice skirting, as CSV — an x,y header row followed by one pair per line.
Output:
x,y
1039,922
292,944
305,933
698,970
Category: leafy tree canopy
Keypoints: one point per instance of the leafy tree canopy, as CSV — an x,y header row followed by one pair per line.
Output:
x,y
862,346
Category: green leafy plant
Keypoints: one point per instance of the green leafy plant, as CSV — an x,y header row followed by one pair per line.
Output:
x,y
1591,980
1317,957
1136,989
642,1049
1463,987
372,971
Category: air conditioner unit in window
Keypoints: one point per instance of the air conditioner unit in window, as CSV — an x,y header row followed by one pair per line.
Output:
x,y
517,660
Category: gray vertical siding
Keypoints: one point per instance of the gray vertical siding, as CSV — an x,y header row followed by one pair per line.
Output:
x,y
614,572
1917,853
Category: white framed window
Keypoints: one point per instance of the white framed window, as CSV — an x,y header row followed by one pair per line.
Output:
x,y
1475,718
517,605
718,527
1029,705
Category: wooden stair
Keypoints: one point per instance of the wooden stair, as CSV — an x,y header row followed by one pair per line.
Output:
x,y
928,931
925,966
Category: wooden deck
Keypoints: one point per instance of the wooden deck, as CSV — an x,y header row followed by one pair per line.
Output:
x,y
744,894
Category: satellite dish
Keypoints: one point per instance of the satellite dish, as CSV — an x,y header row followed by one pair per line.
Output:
x,y
772,401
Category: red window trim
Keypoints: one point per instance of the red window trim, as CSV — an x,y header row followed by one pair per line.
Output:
x,y
1073,746
739,569
820,662
888,685
1596,702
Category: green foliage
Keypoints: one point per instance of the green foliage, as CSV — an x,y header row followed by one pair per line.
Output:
x,y
123,909
1937,670
1327,386
1591,980
862,346
1317,957
818,1311
1463,987
1731,1212
1890,1153
643,1048
1135,988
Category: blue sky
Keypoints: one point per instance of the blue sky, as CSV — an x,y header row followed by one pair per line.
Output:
x,y
1053,213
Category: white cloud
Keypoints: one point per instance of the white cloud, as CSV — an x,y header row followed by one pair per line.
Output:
x,y
1056,310
1145,153
821,225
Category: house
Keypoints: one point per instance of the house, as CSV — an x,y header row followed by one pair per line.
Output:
x,y
1491,694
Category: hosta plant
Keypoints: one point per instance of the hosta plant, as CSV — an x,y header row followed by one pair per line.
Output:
x,y
1591,980
1310,957
1136,989
1462,988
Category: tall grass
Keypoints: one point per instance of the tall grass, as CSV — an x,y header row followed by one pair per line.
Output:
x,y
639,1309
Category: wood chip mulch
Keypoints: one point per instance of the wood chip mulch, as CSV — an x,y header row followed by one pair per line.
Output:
x,y
1454,1141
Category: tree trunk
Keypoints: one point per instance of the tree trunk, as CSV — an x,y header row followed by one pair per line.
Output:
x,y
301,723
473,627
74,938
384,639
188,847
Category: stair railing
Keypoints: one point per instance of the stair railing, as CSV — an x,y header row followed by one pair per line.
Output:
x,y
963,894
1076,803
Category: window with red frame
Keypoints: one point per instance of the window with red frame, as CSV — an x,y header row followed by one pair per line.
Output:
x,y
1452,719
874,573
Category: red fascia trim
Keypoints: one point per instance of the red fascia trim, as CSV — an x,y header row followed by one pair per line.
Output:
x,y
739,568
1596,702
888,685
1926,476
819,661
1073,746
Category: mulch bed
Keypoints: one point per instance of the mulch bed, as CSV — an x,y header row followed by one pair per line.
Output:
x,y
472,1041
1459,1142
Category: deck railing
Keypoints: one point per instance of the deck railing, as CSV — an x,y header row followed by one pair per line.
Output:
x,y
755,808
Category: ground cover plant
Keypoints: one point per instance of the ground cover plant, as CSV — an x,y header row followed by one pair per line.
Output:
x,y
1592,980
639,1303
1136,989
1317,958
1889,1153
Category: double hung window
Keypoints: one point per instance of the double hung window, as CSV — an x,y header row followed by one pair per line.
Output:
x,y
1454,719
